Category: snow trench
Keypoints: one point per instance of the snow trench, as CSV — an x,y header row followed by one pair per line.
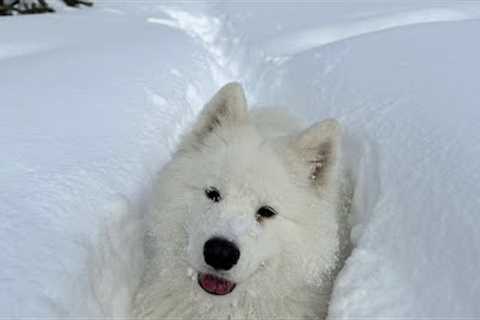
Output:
x,y
115,263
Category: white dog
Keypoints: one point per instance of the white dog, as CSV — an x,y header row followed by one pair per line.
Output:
x,y
245,218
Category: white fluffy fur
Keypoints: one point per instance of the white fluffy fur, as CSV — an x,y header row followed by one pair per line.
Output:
x,y
254,159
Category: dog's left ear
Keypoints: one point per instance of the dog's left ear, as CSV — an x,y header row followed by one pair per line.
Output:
x,y
227,107
319,147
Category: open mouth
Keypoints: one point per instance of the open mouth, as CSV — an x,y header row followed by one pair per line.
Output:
x,y
215,285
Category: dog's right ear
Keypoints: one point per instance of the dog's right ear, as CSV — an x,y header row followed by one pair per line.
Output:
x,y
228,107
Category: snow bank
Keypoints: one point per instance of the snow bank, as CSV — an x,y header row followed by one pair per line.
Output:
x,y
87,119
407,80
91,104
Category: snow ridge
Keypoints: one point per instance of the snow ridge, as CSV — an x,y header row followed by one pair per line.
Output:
x,y
297,42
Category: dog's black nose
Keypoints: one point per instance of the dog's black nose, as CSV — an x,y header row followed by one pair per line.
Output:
x,y
220,254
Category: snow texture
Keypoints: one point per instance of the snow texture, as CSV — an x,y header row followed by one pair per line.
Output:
x,y
93,102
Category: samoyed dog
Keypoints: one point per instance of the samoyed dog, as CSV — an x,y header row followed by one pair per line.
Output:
x,y
245,218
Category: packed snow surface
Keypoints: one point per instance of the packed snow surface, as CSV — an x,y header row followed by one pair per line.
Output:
x,y
93,100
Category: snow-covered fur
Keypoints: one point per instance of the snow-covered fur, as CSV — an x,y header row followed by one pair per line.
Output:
x,y
253,159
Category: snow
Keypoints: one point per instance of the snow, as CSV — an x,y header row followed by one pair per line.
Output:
x,y
93,101
84,126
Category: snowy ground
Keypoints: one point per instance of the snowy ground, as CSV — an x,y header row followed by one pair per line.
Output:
x,y
93,100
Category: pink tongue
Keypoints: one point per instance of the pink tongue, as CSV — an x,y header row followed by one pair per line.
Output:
x,y
215,285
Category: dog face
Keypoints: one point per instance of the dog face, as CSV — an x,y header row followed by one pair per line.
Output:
x,y
255,205
238,216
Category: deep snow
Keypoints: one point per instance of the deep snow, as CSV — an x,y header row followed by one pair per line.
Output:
x,y
93,102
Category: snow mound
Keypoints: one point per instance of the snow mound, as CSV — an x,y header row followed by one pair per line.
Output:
x,y
85,123
412,91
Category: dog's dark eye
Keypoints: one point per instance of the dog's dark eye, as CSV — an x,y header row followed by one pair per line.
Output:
x,y
265,212
213,194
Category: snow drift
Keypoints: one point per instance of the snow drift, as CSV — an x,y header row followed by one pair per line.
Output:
x,y
87,119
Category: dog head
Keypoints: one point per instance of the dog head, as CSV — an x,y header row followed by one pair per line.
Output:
x,y
251,209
